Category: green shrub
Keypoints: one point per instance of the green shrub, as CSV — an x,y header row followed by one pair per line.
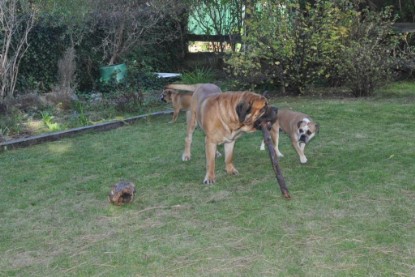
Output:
x,y
370,53
292,46
11,123
198,75
287,45
48,120
80,115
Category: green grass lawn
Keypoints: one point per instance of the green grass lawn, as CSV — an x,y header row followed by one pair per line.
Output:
x,y
352,211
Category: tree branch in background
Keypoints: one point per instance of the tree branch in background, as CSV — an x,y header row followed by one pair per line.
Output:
x,y
16,21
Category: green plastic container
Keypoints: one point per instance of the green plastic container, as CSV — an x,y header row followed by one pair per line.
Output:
x,y
117,71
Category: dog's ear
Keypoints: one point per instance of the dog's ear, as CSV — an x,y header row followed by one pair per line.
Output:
x,y
275,110
269,117
265,94
242,110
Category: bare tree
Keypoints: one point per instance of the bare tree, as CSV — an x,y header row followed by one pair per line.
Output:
x,y
218,17
130,23
16,21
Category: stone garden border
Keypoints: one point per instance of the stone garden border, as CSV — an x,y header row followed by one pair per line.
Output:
x,y
33,140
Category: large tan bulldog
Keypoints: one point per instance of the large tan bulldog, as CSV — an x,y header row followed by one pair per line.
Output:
x,y
299,126
223,117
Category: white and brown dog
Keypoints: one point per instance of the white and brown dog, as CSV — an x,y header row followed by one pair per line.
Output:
x,y
299,126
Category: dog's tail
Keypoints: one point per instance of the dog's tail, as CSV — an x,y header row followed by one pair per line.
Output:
x,y
191,88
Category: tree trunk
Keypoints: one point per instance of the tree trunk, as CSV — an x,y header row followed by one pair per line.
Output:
x,y
14,42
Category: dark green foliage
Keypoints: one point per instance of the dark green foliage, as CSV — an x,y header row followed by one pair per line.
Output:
x,y
130,94
163,56
164,52
367,58
88,60
293,46
405,9
54,32
289,45
38,68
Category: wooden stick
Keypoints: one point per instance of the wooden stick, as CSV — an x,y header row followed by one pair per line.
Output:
x,y
274,160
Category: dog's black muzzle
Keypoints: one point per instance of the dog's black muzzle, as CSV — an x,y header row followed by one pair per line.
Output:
x,y
303,139
269,117
162,99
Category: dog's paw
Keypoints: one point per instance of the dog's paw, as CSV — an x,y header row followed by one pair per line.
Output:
x,y
218,154
279,154
262,147
303,160
185,157
209,180
232,171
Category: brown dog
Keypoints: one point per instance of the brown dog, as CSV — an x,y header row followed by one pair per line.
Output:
x,y
180,101
223,117
298,126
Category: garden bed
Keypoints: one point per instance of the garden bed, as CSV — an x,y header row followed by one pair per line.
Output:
x,y
32,140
